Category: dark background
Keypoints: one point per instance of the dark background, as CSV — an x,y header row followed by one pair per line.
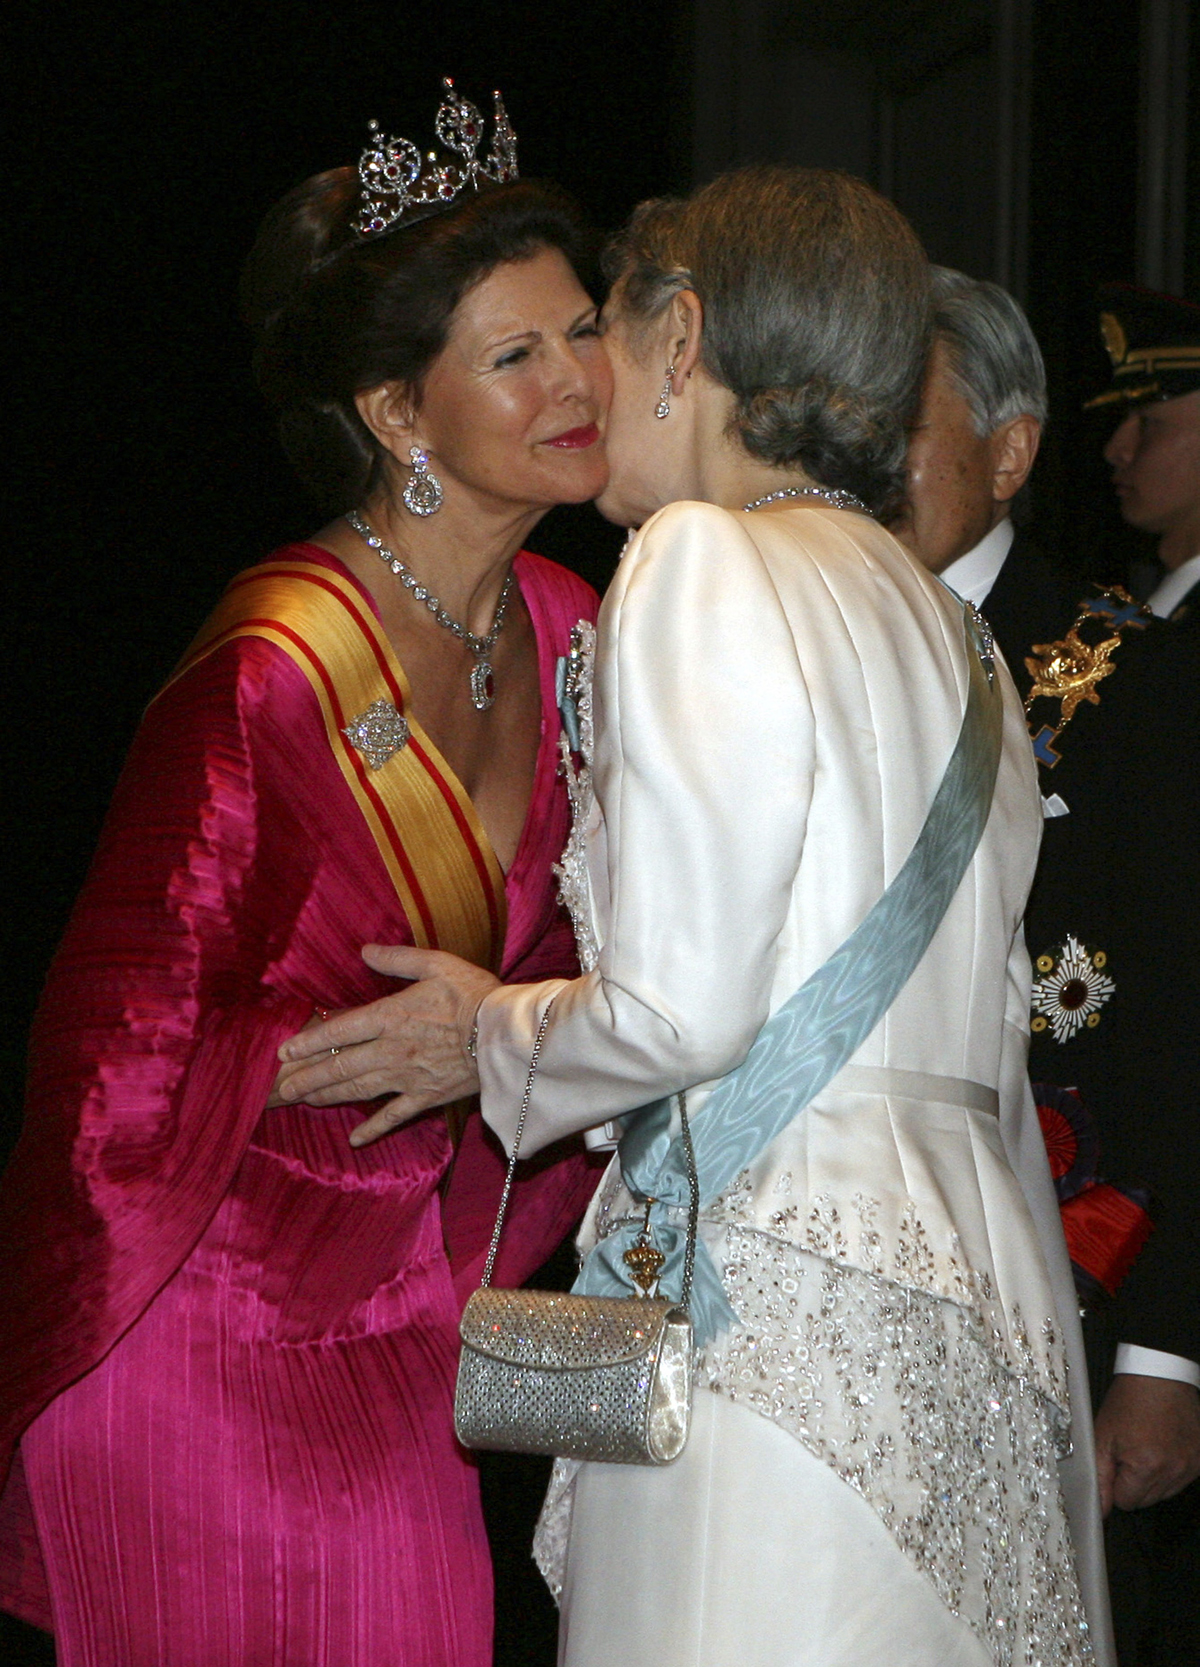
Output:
x,y
153,136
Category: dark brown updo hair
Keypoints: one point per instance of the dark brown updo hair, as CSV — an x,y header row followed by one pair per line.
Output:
x,y
334,315
817,312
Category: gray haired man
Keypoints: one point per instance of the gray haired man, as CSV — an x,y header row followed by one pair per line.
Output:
x,y
971,451
1114,929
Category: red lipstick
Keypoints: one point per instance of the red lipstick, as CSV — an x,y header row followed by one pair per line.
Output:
x,y
576,439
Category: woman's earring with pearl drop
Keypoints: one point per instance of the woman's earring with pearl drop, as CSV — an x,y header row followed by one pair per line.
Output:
x,y
663,408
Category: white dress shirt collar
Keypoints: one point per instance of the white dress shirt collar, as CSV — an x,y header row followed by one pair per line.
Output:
x,y
973,575
1171,590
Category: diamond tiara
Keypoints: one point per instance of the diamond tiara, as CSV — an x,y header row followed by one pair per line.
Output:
x,y
395,177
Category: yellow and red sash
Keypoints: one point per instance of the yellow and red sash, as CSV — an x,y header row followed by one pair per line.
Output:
x,y
428,833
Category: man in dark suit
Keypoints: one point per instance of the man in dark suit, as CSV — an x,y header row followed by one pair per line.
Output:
x,y
1114,929
1153,341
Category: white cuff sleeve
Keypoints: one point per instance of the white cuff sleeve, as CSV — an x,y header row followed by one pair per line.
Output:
x,y
1153,1363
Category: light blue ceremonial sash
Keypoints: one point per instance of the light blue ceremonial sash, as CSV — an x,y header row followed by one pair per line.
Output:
x,y
806,1042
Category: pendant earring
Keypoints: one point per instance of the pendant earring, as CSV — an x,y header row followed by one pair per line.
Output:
x,y
423,494
663,408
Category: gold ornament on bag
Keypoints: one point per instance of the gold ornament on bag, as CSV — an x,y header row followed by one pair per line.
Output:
x,y
643,1258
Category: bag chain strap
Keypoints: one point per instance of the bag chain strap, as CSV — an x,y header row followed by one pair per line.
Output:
x,y
689,1255
512,1162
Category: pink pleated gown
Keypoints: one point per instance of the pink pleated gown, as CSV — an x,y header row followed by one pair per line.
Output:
x,y
231,1362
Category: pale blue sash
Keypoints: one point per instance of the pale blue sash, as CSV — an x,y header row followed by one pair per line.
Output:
x,y
806,1042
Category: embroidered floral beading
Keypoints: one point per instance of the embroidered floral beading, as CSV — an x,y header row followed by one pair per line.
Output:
x,y
906,1396
574,892
906,1255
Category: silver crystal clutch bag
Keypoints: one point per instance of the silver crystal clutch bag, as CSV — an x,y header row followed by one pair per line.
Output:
x,y
604,1378
601,1378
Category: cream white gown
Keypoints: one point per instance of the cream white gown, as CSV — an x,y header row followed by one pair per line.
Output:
x,y
877,1468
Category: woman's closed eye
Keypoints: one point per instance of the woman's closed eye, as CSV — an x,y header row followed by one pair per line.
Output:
x,y
586,329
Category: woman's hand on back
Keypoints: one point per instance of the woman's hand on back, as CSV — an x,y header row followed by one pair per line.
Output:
x,y
411,1045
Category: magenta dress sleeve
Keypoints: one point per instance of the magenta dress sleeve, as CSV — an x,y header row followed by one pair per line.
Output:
x,y
153,1051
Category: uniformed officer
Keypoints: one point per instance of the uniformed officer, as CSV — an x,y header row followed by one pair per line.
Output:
x,y
1114,929
1154,343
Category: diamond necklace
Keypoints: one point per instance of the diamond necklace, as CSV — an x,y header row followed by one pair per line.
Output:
x,y
483,678
835,499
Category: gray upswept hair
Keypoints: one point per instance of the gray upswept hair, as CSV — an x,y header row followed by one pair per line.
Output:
x,y
995,361
816,314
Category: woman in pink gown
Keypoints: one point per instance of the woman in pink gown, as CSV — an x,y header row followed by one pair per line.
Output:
x,y
228,1375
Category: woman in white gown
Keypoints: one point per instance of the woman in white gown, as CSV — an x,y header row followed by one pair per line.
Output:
x,y
876,1468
